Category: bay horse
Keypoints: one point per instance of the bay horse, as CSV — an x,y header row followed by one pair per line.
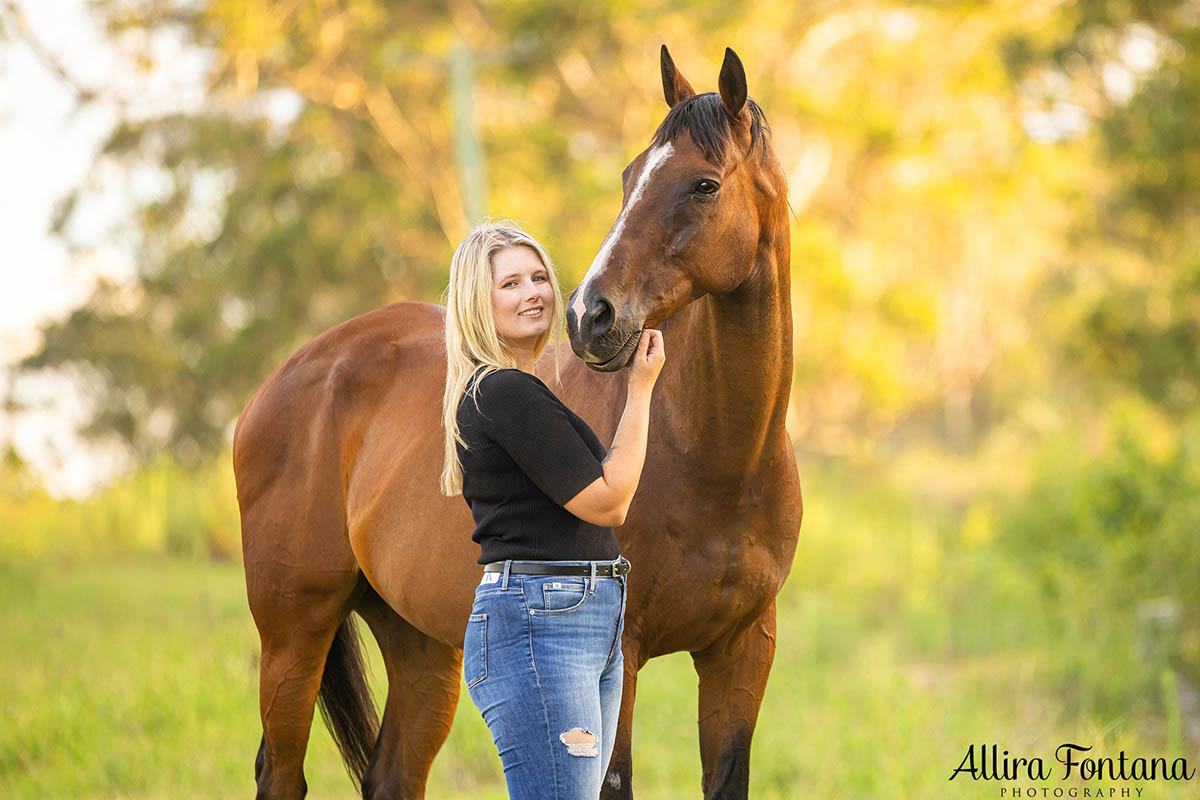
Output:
x,y
337,457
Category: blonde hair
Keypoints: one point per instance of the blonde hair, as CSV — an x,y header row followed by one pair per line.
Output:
x,y
473,347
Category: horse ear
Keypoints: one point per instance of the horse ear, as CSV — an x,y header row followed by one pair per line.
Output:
x,y
676,89
733,85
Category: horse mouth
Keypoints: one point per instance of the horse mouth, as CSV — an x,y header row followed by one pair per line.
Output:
x,y
622,357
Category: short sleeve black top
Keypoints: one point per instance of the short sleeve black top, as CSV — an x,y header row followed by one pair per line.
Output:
x,y
527,455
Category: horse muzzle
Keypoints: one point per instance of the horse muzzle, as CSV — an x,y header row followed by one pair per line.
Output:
x,y
602,337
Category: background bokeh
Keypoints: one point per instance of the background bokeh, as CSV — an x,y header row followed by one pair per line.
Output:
x,y
996,295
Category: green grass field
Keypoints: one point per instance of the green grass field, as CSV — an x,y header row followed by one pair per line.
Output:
x,y
135,677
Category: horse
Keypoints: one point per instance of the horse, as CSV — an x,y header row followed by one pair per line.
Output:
x,y
337,457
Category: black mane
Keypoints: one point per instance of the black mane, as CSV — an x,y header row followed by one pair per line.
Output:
x,y
703,117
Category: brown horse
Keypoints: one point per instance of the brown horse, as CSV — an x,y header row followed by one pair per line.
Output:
x,y
337,459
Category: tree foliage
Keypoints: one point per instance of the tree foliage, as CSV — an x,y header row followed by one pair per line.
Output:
x,y
981,210
1133,276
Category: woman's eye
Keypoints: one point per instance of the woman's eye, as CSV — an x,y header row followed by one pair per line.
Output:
x,y
539,277
706,188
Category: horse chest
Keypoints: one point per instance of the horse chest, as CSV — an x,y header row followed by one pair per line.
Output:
x,y
702,566
683,599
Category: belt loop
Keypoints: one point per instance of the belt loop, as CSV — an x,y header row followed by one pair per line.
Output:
x,y
504,583
592,579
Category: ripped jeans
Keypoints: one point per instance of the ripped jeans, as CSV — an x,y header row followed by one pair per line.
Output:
x,y
543,664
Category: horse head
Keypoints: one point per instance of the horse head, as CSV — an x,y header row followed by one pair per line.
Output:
x,y
690,218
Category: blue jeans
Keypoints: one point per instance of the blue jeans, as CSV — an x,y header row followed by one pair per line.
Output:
x,y
543,664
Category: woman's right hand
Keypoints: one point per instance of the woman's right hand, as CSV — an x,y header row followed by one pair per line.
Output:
x,y
647,360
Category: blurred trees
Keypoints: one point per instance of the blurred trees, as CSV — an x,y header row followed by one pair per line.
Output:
x,y
1131,271
922,224
987,197
319,182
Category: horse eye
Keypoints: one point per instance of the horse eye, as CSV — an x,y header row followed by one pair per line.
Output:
x,y
706,188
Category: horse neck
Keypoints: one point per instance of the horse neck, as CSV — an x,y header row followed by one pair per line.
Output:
x,y
728,395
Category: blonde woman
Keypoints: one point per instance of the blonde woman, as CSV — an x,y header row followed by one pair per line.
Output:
x,y
542,653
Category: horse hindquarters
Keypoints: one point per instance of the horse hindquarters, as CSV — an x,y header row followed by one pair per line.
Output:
x,y
301,578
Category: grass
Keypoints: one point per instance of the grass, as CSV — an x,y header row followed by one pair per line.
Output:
x,y
136,676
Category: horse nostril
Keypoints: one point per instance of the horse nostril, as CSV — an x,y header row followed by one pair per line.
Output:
x,y
598,320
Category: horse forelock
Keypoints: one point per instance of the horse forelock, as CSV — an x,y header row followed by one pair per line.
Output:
x,y
703,117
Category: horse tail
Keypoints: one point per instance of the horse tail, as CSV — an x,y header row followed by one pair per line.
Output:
x,y
345,700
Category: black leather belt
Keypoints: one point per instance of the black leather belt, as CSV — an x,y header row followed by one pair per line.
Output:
x,y
617,570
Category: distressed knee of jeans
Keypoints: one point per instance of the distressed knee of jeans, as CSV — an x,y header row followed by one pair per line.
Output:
x,y
579,742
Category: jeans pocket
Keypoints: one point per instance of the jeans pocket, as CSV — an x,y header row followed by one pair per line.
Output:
x,y
475,650
558,596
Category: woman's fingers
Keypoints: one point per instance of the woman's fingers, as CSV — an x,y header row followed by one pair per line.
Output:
x,y
648,357
654,344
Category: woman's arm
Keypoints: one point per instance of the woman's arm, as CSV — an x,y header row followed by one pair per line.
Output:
x,y
606,500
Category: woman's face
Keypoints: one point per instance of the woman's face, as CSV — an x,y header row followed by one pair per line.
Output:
x,y
522,297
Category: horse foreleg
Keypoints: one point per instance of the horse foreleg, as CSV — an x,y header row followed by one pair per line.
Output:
x,y
733,674
618,781
423,686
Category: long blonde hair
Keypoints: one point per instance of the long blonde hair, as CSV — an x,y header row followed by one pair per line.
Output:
x,y
473,347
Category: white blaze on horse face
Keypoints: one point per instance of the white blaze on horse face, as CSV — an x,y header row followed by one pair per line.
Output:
x,y
653,161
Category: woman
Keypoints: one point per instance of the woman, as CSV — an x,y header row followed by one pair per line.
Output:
x,y
542,653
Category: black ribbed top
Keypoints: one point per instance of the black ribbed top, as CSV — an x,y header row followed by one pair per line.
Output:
x,y
527,455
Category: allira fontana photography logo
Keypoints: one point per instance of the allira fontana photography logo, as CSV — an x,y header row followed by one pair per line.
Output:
x,y
1090,775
